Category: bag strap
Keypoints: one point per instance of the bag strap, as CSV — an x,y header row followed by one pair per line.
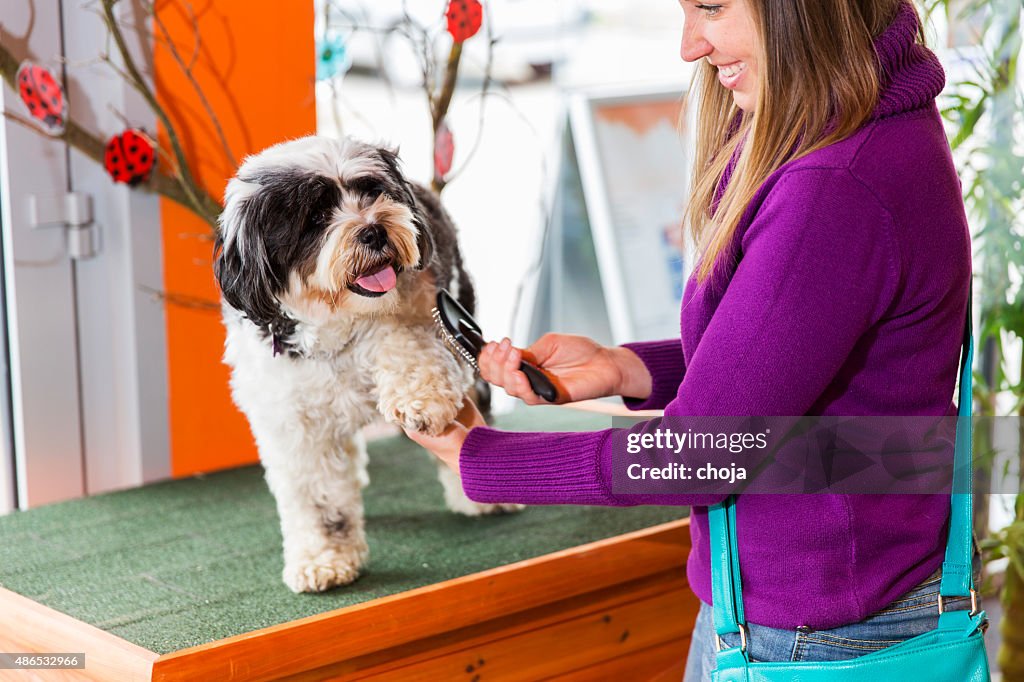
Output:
x,y
726,588
957,574
957,577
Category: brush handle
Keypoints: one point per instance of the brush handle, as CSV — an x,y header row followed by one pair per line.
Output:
x,y
539,382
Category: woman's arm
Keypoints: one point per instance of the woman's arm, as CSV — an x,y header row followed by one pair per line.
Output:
x,y
666,367
819,267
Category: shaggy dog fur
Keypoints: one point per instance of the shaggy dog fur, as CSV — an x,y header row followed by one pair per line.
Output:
x,y
329,261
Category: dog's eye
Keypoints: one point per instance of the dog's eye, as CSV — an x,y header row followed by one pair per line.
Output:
x,y
367,186
320,220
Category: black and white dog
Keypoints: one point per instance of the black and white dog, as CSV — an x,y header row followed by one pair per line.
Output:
x,y
329,261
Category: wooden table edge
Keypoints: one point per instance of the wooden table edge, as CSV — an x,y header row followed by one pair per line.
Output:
x,y
390,621
382,623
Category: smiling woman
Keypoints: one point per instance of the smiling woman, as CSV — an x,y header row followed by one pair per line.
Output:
x,y
833,279
726,36
794,76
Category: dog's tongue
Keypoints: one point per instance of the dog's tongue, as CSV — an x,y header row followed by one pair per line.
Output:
x,y
380,281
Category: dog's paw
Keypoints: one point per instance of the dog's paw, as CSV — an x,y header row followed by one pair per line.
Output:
x,y
467,507
455,497
332,567
420,414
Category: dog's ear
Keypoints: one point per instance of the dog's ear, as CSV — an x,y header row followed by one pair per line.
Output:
x,y
424,238
242,270
404,192
272,223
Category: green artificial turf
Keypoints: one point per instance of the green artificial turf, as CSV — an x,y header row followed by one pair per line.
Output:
x,y
187,562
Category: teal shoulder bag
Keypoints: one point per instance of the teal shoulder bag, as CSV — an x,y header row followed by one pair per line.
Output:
x,y
953,652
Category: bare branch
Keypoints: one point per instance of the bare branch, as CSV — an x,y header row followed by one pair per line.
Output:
x,y
187,70
197,43
484,92
444,100
94,148
202,203
182,300
120,116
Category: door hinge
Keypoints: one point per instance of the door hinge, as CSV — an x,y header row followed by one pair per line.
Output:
x,y
73,212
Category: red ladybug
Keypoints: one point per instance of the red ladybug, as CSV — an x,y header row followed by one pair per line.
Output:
x,y
129,157
42,95
444,150
464,18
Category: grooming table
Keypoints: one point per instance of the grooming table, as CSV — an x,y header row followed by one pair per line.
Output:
x,y
181,581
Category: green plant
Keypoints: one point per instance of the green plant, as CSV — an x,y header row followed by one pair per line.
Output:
x,y
985,115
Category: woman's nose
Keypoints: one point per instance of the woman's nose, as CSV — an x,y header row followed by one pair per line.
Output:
x,y
694,46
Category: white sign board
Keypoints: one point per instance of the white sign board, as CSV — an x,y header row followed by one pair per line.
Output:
x,y
614,261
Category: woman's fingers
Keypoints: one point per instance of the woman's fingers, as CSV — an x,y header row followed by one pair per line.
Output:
x,y
491,367
516,382
483,361
499,365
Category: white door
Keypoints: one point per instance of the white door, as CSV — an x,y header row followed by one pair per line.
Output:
x,y
84,409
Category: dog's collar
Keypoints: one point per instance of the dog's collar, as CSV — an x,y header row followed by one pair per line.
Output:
x,y
281,330
277,338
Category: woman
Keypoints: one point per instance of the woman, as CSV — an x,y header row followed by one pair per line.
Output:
x,y
833,280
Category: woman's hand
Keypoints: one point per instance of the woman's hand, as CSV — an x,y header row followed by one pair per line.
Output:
x,y
580,369
448,445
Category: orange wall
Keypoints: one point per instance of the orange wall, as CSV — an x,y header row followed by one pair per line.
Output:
x,y
256,67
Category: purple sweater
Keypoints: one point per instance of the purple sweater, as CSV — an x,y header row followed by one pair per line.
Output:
x,y
846,295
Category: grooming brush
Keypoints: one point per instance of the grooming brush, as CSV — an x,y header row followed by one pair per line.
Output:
x,y
463,335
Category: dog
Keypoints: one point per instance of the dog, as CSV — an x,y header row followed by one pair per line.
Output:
x,y
328,261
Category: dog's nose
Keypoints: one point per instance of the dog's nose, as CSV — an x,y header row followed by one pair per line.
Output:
x,y
374,237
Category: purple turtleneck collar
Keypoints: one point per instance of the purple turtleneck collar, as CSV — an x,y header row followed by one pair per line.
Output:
x,y
911,76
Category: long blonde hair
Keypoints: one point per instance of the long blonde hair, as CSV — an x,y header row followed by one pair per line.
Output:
x,y
819,82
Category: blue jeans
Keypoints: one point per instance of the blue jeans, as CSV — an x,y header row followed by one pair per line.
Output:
x,y
913,614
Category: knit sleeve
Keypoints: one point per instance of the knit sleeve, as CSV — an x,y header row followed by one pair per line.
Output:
x,y
818,268
665,363
550,468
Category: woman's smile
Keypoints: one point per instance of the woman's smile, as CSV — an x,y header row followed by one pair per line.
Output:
x,y
729,75
724,34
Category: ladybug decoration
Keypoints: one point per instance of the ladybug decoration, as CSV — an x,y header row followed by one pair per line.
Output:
x,y
129,157
444,150
43,96
464,18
